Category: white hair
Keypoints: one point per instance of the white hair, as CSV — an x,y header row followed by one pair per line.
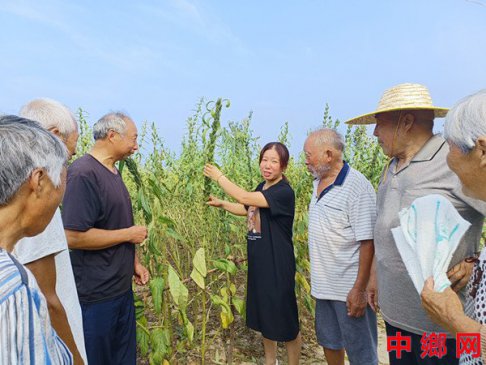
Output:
x,y
466,121
328,136
25,146
115,121
50,114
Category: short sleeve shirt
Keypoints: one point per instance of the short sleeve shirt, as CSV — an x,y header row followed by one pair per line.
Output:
x,y
53,241
427,173
281,201
97,198
27,336
339,219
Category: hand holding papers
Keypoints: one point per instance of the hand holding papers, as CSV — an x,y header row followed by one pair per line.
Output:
x,y
429,232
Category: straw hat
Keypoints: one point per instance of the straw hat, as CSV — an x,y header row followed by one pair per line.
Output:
x,y
402,97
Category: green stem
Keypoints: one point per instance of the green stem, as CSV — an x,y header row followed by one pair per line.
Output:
x,y
203,329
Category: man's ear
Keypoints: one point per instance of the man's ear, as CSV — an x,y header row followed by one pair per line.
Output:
x,y
481,147
329,154
37,180
55,130
407,121
111,135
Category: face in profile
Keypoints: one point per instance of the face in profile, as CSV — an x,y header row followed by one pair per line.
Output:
x,y
384,131
467,167
71,142
45,199
314,159
127,142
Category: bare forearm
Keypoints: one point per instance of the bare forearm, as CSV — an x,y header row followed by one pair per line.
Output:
x,y
366,252
60,323
234,208
254,198
44,271
96,239
232,189
463,323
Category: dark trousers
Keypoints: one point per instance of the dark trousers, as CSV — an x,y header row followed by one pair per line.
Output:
x,y
413,357
109,331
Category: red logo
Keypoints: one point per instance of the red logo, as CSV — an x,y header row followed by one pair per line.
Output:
x,y
433,345
398,343
468,343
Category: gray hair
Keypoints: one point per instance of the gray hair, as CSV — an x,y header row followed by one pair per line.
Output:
x,y
25,146
328,136
50,114
115,121
466,121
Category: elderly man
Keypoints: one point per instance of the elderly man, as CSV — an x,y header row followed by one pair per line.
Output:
x,y
47,254
98,220
465,131
32,181
404,123
342,215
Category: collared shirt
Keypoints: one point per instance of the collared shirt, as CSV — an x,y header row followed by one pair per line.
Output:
x,y
427,173
26,334
343,215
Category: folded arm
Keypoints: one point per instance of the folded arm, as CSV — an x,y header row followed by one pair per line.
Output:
x,y
97,239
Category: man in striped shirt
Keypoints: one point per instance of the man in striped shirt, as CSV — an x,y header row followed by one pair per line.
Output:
x,y
342,216
32,182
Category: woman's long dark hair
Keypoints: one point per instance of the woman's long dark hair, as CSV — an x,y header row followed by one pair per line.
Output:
x,y
282,152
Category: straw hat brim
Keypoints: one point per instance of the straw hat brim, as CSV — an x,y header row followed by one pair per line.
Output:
x,y
369,118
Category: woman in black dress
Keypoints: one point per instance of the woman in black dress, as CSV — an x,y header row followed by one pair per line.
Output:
x,y
271,305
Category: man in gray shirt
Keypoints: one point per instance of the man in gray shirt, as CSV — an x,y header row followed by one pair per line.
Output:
x,y
404,124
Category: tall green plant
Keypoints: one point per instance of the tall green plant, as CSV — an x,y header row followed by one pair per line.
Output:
x,y
176,312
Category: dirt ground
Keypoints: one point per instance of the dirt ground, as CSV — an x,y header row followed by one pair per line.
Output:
x,y
248,348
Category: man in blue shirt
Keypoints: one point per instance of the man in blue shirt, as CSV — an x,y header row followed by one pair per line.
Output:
x,y
32,180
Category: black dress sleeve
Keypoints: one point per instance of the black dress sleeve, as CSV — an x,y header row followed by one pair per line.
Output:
x,y
258,188
281,199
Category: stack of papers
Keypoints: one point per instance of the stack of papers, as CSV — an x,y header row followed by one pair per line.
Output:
x,y
427,237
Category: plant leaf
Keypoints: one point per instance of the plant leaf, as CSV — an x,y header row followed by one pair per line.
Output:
x,y
199,262
300,279
226,319
239,305
160,344
198,278
225,265
177,289
172,233
143,338
166,220
157,286
189,330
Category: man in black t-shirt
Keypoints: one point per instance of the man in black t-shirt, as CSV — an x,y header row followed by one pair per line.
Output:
x,y
98,220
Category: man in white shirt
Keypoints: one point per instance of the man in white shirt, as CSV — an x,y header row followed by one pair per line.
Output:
x,y
47,254
342,215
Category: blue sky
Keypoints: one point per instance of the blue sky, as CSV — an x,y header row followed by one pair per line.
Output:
x,y
281,59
